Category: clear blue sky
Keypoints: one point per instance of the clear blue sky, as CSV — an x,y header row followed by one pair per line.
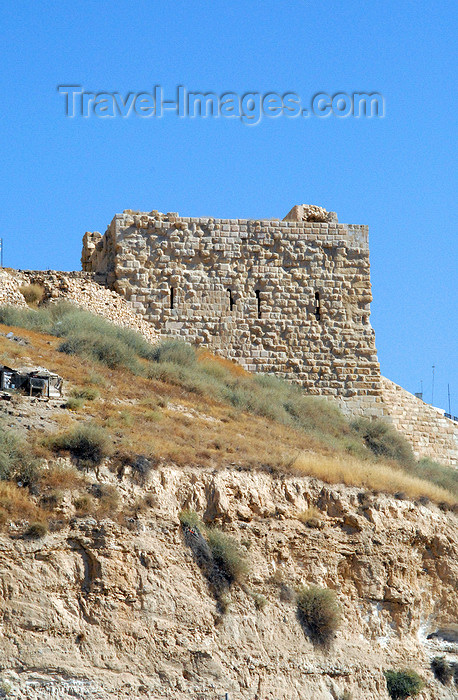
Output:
x,y
397,174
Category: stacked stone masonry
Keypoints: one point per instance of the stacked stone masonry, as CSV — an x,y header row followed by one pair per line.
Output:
x,y
426,428
429,432
288,297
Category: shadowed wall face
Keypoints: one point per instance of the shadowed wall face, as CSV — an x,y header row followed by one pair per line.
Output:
x,y
288,297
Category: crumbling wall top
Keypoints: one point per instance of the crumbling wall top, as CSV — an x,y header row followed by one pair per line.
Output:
x,y
310,212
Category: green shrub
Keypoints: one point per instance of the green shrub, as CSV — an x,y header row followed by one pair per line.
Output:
x,y
88,393
259,600
74,404
175,352
88,444
40,321
36,531
218,556
319,613
442,670
189,377
84,334
403,684
189,518
227,555
16,460
106,350
446,477
384,441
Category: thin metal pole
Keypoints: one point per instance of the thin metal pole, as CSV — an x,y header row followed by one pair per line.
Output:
x,y
432,390
1,252
449,409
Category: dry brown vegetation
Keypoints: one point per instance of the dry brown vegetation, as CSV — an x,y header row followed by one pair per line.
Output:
x,y
17,504
311,517
169,423
374,476
32,293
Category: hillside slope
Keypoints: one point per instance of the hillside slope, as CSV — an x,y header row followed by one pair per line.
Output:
x,y
429,433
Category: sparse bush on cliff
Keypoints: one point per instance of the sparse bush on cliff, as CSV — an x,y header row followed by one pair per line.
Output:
x,y
87,443
442,670
190,519
217,554
36,531
384,441
16,459
319,613
16,504
84,504
227,555
403,684
108,500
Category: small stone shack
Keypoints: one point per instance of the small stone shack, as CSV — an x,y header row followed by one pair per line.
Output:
x,y
38,381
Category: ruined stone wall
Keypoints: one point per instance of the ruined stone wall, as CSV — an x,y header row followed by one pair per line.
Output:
x,y
425,427
77,288
290,297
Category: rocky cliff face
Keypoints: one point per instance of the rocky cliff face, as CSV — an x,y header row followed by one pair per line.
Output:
x,y
105,611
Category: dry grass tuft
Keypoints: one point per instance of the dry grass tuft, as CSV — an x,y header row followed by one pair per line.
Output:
x,y
32,293
61,477
84,505
16,504
310,517
207,358
373,476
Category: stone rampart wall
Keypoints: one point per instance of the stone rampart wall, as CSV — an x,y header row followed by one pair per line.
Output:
x,y
425,427
289,297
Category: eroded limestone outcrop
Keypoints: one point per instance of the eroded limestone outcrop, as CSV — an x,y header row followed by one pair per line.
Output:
x,y
100,610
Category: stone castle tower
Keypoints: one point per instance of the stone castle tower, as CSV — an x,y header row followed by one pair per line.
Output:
x,y
289,297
